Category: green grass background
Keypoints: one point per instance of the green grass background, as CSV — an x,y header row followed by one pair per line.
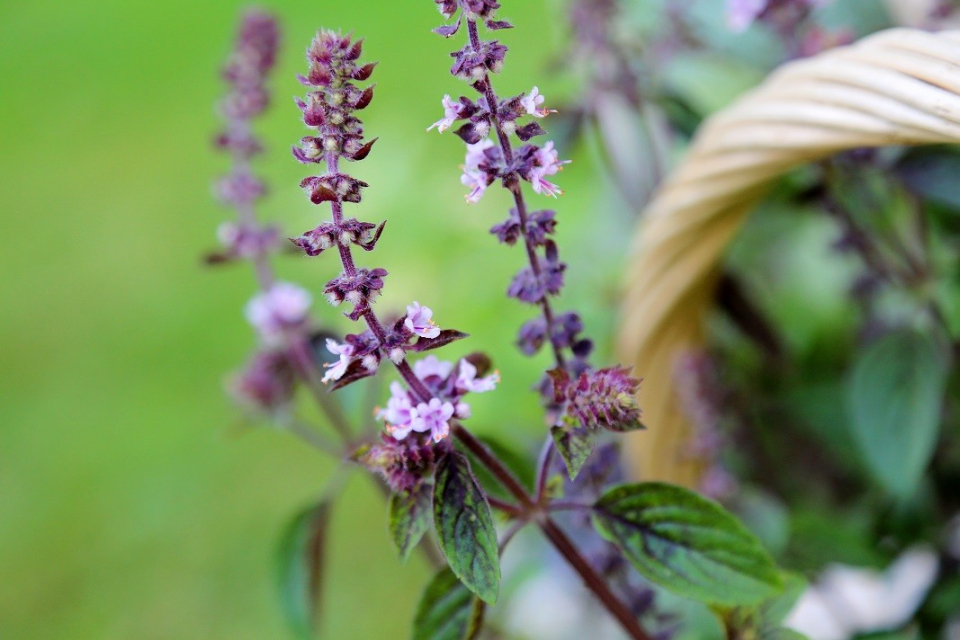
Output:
x,y
131,504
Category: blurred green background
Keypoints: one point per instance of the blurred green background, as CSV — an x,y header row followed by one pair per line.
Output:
x,y
132,502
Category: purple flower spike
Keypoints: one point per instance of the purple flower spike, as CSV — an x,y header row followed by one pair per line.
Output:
x,y
476,173
601,398
281,308
467,379
400,412
451,112
545,163
336,371
531,104
431,367
419,321
434,417
403,463
266,384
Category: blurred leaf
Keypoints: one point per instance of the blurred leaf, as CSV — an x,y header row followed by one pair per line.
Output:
x,y
301,568
782,633
409,518
765,516
514,460
775,610
709,81
574,446
820,535
894,395
445,337
932,173
465,528
448,611
686,543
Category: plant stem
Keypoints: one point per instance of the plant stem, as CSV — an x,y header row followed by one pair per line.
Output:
x,y
592,579
543,469
555,535
316,440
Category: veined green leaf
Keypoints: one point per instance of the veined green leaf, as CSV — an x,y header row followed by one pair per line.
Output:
x,y
448,611
409,518
894,396
301,568
465,528
686,543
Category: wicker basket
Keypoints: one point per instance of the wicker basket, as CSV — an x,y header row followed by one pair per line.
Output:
x,y
897,87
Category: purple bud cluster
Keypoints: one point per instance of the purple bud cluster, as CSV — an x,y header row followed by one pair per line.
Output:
x,y
279,312
403,464
597,398
448,384
418,414
575,393
702,399
329,108
267,382
246,72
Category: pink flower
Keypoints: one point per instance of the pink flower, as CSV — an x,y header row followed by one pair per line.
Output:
x,y
451,111
434,417
548,164
431,366
336,371
473,176
400,414
531,104
419,321
742,13
467,379
284,306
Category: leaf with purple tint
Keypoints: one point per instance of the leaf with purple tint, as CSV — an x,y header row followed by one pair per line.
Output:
x,y
465,528
530,130
301,568
446,337
355,371
448,611
686,543
574,445
409,518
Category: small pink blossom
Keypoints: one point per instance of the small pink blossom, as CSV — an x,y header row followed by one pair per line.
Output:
x,y
400,414
434,417
431,366
531,104
419,321
451,111
548,164
284,306
336,371
474,177
467,379
740,14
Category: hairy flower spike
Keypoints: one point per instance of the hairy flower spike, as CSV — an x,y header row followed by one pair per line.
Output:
x,y
600,398
278,310
266,383
403,463
329,109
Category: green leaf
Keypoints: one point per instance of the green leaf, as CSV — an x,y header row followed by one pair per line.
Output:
x,y
782,633
686,543
465,528
932,173
574,445
894,395
301,568
775,610
409,518
448,611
